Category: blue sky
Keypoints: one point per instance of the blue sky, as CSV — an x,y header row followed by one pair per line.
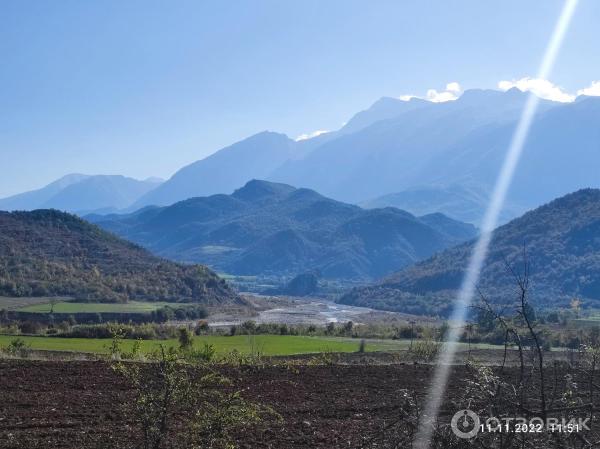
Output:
x,y
142,88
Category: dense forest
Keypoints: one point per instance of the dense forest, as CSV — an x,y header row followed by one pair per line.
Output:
x,y
266,228
51,253
559,241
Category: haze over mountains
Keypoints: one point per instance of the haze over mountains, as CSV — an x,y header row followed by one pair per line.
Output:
x,y
83,194
464,202
562,243
420,156
268,228
440,150
435,163
227,169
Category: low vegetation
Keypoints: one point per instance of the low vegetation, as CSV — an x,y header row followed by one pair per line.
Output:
x,y
268,345
87,307
210,413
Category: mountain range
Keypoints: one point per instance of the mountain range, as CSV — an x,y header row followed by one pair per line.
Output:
x,y
83,194
422,156
417,155
225,170
462,201
560,241
275,229
51,253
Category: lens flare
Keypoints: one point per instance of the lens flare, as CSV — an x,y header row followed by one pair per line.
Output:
x,y
489,223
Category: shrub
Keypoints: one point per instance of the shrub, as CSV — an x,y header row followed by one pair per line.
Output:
x,y
201,327
361,346
185,338
425,351
206,354
30,327
330,328
208,415
17,348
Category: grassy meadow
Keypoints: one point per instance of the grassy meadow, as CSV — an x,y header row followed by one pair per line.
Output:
x,y
14,303
265,344
91,307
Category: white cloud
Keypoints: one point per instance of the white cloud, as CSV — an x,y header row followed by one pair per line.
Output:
x,y
542,88
439,97
311,135
592,91
453,87
451,92
406,97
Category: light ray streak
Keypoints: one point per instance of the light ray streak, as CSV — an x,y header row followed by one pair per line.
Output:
x,y
489,223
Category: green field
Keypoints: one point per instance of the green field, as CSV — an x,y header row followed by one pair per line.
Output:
x,y
265,344
13,303
92,307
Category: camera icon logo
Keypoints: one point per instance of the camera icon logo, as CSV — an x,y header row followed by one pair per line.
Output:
x,y
465,424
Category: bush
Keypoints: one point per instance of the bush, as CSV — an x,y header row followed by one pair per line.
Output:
x,y
425,351
330,328
206,354
208,416
361,346
201,327
17,348
185,338
30,327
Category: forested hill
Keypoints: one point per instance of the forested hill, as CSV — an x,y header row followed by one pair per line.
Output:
x,y
51,253
267,228
561,240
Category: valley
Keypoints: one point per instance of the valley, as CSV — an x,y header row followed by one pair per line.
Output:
x,y
274,229
299,224
283,293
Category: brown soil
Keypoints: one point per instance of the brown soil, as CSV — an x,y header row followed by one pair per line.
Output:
x,y
78,404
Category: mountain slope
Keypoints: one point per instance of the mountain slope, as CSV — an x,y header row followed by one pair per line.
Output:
x,y
562,242
383,109
258,157
51,253
36,198
462,202
225,170
457,142
82,193
269,228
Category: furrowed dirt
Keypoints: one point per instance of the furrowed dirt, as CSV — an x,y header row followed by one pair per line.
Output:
x,y
78,404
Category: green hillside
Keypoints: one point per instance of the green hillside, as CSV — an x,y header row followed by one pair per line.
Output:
x,y
561,240
51,253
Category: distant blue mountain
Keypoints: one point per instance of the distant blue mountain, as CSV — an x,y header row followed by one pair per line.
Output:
x,y
562,244
270,228
225,170
422,146
462,202
82,194
421,156
383,109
